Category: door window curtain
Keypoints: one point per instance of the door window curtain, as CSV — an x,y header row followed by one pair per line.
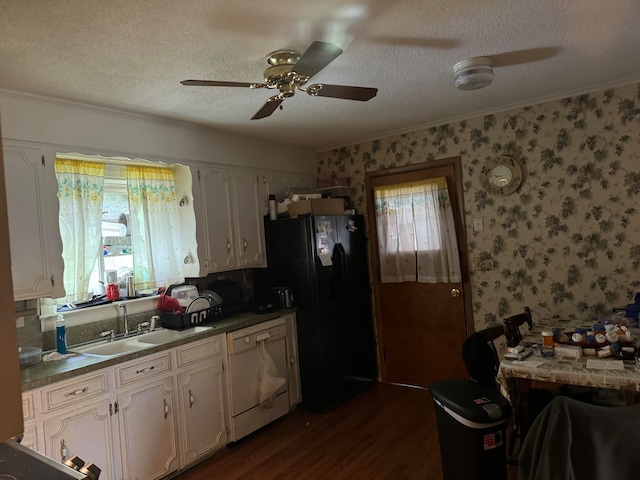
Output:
x,y
154,223
80,192
416,233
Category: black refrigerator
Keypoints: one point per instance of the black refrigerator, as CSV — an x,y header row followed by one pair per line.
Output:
x,y
324,260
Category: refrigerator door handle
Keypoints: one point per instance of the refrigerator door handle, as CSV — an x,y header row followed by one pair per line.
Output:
x,y
340,263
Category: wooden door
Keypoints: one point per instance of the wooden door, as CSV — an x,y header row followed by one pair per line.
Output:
x,y
421,326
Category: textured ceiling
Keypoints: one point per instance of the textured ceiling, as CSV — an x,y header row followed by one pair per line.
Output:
x,y
132,55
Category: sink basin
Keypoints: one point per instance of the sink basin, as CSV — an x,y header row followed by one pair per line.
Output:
x,y
111,349
134,344
159,337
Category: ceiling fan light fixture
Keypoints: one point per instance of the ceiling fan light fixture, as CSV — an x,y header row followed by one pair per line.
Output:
x,y
473,73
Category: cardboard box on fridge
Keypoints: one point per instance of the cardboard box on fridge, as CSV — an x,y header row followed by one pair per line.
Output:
x,y
317,206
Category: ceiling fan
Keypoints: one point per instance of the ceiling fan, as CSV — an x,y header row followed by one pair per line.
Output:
x,y
288,71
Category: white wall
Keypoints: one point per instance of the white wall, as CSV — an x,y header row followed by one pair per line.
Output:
x,y
81,128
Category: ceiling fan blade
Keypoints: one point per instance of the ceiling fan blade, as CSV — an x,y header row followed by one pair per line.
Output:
x,y
316,57
361,94
214,83
268,108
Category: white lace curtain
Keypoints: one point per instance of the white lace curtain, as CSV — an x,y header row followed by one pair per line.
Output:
x,y
80,193
154,223
416,233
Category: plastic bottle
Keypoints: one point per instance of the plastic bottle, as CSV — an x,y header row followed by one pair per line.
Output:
x,y
61,335
273,212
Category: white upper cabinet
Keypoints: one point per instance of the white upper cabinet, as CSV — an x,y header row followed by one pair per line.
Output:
x,y
230,233
216,252
36,248
250,233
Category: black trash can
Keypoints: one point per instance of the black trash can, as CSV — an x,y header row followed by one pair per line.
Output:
x,y
471,422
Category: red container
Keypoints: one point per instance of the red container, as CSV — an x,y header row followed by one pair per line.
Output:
x,y
113,291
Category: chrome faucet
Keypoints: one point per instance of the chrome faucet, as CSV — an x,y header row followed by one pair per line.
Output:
x,y
126,321
142,326
109,333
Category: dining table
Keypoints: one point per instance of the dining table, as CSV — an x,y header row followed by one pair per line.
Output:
x,y
614,379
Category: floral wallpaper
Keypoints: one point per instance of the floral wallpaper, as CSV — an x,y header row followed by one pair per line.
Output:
x,y
567,243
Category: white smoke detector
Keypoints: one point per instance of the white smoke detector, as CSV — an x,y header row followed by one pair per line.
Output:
x,y
473,73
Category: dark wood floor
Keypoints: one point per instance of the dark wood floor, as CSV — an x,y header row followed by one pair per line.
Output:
x,y
387,432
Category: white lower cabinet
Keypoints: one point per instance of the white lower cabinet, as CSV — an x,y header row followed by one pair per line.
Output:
x,y
146,421
202,397
32,434
148,417
76,420
131,420
84,431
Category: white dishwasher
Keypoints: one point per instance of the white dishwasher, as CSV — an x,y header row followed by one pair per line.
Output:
x,y
244,349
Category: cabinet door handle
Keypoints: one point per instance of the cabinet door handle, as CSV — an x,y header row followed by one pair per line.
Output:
x,y
166,407
77,392
63,451
228,246
244,244
190,399
144,370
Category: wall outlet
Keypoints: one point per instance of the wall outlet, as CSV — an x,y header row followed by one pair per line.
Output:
x,y
19,322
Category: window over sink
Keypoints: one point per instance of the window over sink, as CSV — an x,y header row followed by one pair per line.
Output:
x,y
120,221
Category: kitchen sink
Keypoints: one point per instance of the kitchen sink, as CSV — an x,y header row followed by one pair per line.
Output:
x,y
125,345
158,337
111,349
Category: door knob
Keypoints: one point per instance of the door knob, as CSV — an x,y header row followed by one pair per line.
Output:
x,y
455,292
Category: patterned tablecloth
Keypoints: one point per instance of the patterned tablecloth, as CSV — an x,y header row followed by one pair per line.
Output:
x,y
586,371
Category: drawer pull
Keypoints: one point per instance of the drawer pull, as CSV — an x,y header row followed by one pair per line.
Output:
x,y
143,370
77,392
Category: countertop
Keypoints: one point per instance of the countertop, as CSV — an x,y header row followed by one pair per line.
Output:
x,y
46,373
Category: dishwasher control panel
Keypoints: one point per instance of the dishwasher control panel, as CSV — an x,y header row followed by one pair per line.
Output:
x,y
250,337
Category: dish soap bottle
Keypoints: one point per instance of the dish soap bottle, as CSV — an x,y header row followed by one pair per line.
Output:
x,y
61,335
